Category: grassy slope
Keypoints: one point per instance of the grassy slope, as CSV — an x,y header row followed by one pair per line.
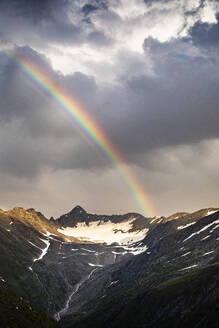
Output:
x,y
190,301
16,313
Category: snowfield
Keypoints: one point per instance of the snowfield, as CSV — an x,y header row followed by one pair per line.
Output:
x,y
107,232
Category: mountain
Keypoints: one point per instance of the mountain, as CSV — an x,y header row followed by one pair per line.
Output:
x,y
103,228
42,265
89,270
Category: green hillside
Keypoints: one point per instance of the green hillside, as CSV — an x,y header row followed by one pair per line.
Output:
x,y
16,313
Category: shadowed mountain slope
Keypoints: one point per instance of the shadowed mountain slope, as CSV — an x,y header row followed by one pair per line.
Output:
x,y
16,313
162,270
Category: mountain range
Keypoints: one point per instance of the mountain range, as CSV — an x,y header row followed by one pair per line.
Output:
x,y
87,270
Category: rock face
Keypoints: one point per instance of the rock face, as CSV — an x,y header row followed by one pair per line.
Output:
x,y
165,279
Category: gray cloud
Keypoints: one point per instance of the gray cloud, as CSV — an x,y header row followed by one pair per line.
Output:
x,y
34,133
160,110
206,35
47,23
177,104
94,5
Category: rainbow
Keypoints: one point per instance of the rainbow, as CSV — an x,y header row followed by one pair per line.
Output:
x,y
85,124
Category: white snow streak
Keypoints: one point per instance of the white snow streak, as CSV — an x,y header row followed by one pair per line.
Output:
x,y
33,244
88,250
136,250
211,212
44,250
217,226
208,253
2,279
185,254
203,229
189,267
185,226
206,237
113,283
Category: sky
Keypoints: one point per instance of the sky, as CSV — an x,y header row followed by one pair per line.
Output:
x,y
146,71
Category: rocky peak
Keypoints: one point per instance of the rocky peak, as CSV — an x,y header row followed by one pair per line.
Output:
x,y
77,214
78,210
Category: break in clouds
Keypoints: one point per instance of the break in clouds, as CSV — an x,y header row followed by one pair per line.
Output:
x,y
147,71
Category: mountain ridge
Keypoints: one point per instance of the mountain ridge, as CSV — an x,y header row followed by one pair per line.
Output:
x,y
74,280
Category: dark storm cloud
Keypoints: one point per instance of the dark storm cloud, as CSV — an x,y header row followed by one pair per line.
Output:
x,y
159,106
32,9
34,134
206,35
176,105
41,20
20,99
93,6
44,23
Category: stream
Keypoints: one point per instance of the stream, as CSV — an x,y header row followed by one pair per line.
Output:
x,y
61,313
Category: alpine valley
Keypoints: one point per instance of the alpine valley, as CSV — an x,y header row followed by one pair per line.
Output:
x,y
84,270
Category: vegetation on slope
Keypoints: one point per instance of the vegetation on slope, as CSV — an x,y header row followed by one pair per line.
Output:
x,y
16,313
188,301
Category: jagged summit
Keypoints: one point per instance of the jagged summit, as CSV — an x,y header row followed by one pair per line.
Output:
x,y
78,210
103,228
77,214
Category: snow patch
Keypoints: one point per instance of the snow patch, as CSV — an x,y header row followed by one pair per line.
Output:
x,y
185,226
208,253
217,226
107,232
95,265
136,250
44,250
201,230
88,250
206,237
113,283
211,212
2,279
189,267
33,244
185,254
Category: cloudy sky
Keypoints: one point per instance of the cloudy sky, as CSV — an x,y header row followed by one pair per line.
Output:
x,y
146,71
